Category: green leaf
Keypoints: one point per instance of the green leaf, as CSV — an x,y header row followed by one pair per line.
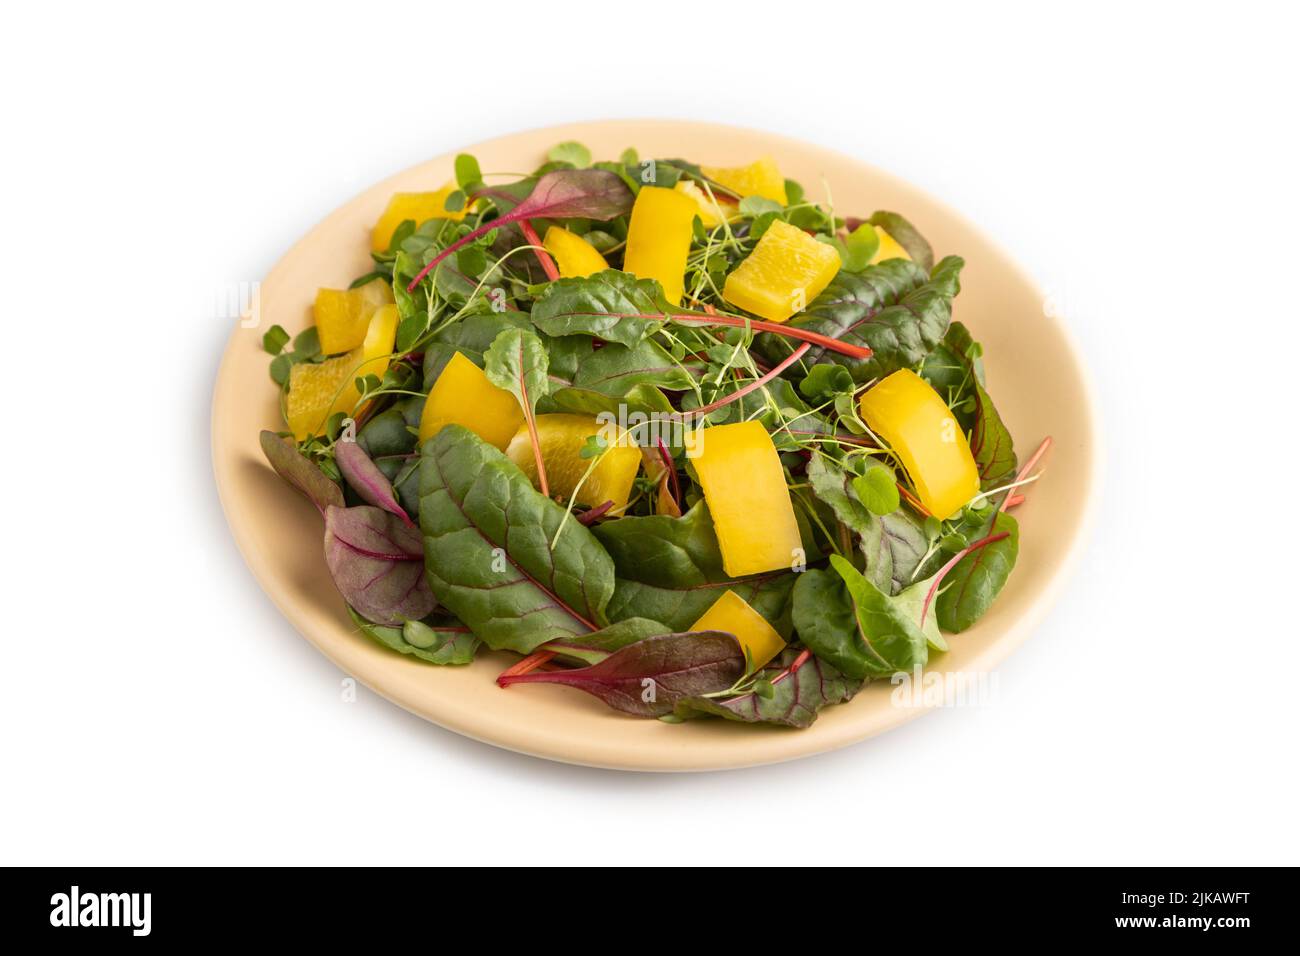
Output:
x,y
860,246
906,235
617,369
281,366
593,306
779,696
824,382
572,153
955,371
893,544
974,583
755,206
471,336
274,340
990,443
437,643
595,647
467,172
487,548
517,361
878,490
848,621
894,308
670,570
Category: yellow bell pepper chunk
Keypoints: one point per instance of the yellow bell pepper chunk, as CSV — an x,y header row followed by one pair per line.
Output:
x,y
418,207
317,391
574,255
713,211
888,248
562,438
916,423
744,487
343,315
732,614
463,395
787,269
659,238
757,179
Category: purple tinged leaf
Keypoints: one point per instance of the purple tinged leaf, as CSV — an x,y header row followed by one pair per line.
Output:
x,y
300,472
560,194
648,678
377,563
576,194
365,478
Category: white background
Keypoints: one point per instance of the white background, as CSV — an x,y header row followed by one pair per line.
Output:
x,y
1141,163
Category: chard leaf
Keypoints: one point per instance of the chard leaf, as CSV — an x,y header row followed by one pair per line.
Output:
x,y
648,678
576,194
365,478
595,647
439,642
300,471
617,369
487,548
375,561
894,546
575,154
907,236
974,583
893,543
846,620
796,698
955,371
598,305
894,308
517,362
990,443
670,570
471,336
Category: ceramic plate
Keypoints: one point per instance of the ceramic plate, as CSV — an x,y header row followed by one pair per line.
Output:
x,y
1033,368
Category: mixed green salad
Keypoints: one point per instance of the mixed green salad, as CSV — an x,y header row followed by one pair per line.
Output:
x,y
676,435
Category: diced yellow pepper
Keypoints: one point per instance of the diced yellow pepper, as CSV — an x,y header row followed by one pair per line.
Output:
x,y
787,269
463,395
757,179
888,248
562,438
914,420
417,207
343,315
711,211
574,255
317,391
659,239
732,614
745,489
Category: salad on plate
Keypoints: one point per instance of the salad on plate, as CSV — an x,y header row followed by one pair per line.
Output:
x,y
674,434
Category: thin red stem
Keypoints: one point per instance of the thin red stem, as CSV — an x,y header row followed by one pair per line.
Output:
x,y
544,257
795,356
776,328
1024,472
914,501
530,663
952,563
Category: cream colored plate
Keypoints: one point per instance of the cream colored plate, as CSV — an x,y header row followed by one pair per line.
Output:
x,y
1034,373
